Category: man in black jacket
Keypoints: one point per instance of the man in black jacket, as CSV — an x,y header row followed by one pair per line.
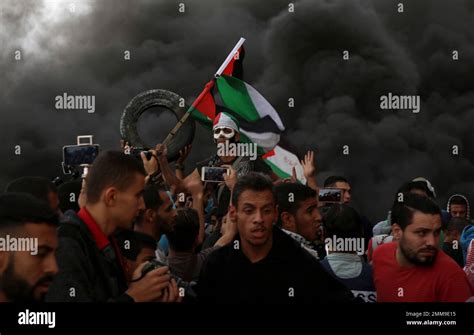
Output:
x,y
91,267
263,264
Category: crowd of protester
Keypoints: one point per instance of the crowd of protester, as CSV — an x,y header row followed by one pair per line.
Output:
x,y
141,231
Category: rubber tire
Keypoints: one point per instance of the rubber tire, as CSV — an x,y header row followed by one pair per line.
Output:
x,y
162,98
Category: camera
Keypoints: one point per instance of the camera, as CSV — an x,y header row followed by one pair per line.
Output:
x,y
156,264
82,154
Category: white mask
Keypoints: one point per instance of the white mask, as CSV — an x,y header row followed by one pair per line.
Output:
x,y
225,132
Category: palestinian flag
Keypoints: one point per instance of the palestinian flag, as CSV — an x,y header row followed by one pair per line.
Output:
x,y
258,120
282,161
204,111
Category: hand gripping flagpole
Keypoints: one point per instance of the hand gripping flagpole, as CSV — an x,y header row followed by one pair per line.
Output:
x,y
207,88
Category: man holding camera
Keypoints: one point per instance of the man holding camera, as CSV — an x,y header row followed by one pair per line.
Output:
x,y
91,267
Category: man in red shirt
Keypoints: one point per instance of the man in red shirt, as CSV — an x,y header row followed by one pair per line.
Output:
x,y
414,269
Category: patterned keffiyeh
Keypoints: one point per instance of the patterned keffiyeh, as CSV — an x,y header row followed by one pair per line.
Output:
x,y
304,242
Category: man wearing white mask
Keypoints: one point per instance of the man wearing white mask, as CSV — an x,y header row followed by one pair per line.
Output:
x,y
226,135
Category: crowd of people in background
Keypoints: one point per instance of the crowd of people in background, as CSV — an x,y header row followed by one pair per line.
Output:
x,y
139,230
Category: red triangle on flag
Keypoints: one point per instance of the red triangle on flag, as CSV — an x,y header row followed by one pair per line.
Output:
x,y
269,154
206,104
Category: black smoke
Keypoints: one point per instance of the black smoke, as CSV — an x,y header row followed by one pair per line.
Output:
x,y
288,55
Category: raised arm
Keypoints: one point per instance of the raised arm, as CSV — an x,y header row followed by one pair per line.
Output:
x,y
309,170
168,173
194,186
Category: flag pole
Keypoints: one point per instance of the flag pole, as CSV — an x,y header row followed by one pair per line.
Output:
x,y
207,88
180,123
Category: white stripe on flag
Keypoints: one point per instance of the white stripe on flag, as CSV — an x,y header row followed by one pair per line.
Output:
x,y
267,141
263,107
285,161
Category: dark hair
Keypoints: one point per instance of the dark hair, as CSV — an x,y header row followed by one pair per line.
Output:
x,y
254,181
457,200
151,196
152,199
185,231
415,185
209,215
111,168
457,224
402,211
64,194
136,242
332,180
342,221
16,209
299,194
39,187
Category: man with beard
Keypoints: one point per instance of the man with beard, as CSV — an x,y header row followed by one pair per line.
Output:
x,y
458,206
342,184
226,129
414,269
226,132
158,217
91,266
25,275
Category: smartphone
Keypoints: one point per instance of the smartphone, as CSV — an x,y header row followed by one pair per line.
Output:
x,y
77,155
329,194
213,174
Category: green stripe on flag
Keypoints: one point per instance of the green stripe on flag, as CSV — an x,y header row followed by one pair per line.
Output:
x,y
236,97
279,172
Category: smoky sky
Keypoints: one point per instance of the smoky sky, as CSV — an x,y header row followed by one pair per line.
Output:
x,y
288,55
